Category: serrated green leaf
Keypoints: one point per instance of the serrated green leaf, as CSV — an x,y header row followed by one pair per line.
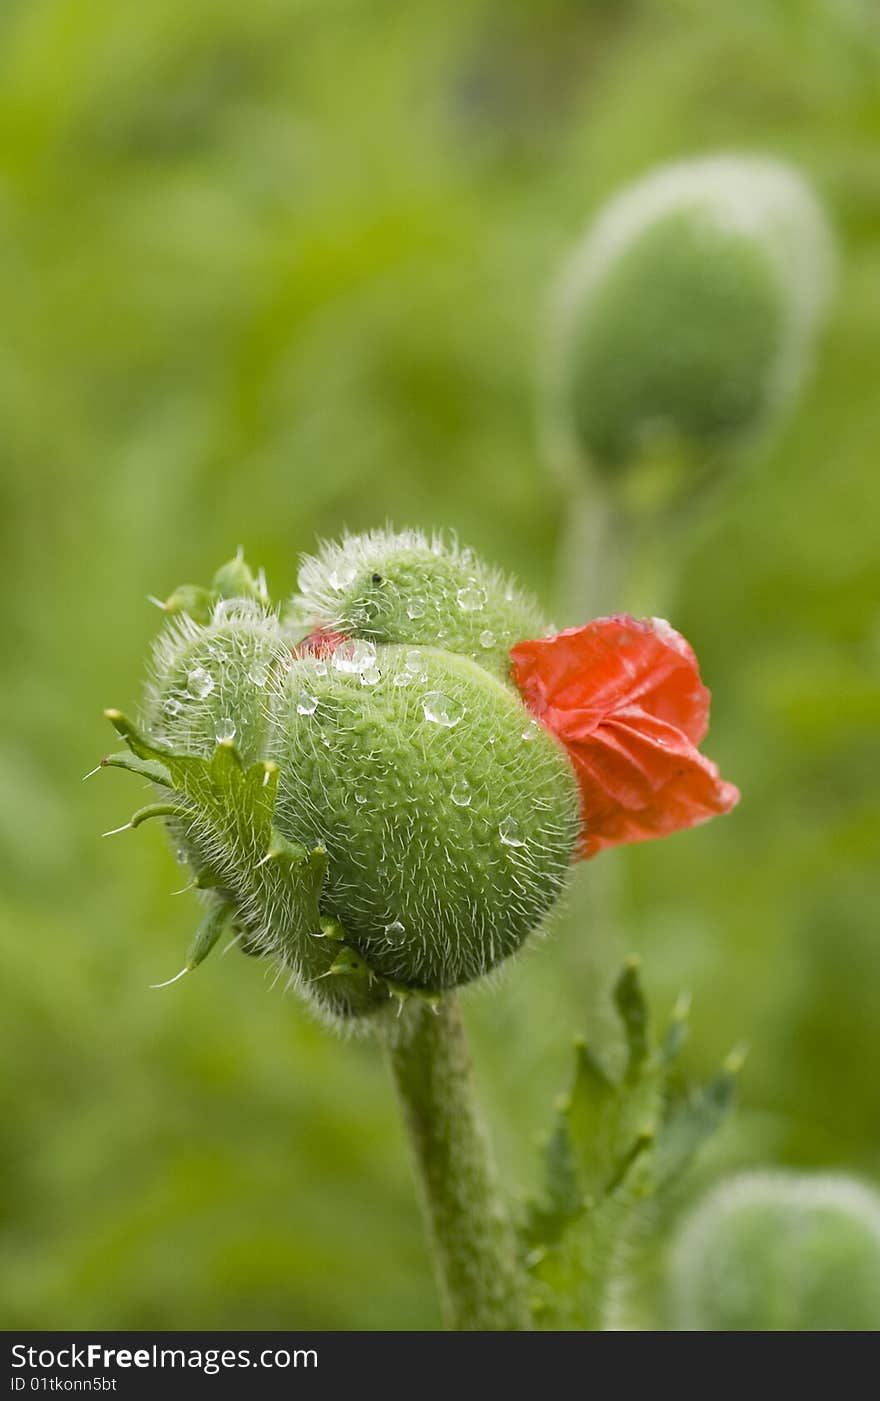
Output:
x,y
691,1121
224,812
632,1008
613,1146
592,1119
677,1031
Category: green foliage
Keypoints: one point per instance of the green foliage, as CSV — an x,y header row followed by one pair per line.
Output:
x,y
617,1144
779,1252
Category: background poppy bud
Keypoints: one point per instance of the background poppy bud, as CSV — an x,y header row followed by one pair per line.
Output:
x,y
685,318
367,800
777,1251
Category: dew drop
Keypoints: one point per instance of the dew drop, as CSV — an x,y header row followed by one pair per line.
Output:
x,y
320,668
354,657
224,729
416,608
359,797
442,710
306,704
461,794
394,932
236,610
370,675
531,730
487,638
509,832
412,669
341,577
171,707
199,683
258,674
471,599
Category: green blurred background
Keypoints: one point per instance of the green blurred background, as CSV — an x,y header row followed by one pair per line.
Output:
x,y
271,269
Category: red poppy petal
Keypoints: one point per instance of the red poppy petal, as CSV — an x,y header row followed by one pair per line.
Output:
x,y
636,785
612,662
625,697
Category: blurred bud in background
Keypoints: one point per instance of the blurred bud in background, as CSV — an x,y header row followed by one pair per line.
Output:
x,y
685,320
779,1252
681,327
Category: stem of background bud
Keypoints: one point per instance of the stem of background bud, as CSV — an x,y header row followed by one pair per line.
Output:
x,y
481,1282
590,564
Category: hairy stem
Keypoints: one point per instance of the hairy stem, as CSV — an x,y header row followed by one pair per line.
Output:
x,y
472,1239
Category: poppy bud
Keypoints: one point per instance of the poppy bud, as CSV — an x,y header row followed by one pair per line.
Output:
x,y
686,316
378,786
435,821
776,1251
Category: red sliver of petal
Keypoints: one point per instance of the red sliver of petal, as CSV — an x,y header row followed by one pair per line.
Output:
x,y
320,643
625,698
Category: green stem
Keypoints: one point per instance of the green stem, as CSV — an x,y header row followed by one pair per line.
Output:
x,y
472,1239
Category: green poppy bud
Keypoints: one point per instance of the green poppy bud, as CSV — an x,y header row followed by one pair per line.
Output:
x,y
356,783
777,1251
685,318
401,588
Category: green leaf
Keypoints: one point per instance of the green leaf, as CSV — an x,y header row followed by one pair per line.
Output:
x,y
269,885
632,1008
615,1143
692,1120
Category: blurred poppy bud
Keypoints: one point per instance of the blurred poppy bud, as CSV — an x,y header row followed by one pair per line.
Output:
x,y
685,318
368,790
780,1252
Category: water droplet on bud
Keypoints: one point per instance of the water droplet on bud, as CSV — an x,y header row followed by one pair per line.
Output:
x,y
236,610
487,638
224,729
441,710
342,577
471,599
354,657
199,683
306,704
509,832
416,608
461,794
394,932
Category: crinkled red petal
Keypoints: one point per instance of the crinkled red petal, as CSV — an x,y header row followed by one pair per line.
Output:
x,y
625,698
